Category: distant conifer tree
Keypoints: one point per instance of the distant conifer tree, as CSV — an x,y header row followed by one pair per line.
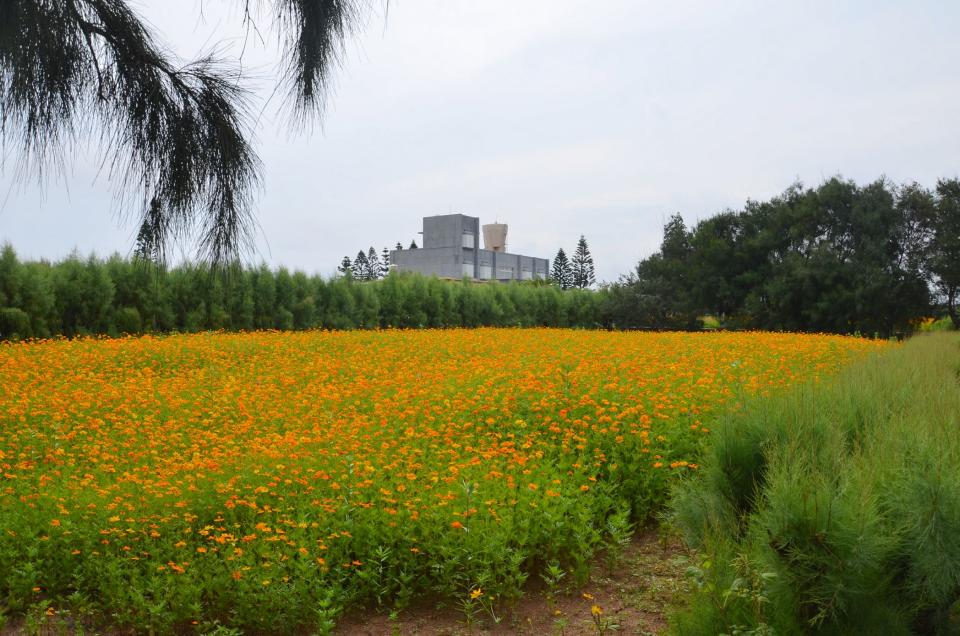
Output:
x,y
413,245
150,243
582,266
346,267
561,273
385,261
374,266
399,247
361,267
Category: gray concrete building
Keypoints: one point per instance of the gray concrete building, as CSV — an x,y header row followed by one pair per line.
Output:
x,y
451,249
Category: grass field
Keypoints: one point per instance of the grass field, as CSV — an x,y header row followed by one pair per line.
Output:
x,y
274,480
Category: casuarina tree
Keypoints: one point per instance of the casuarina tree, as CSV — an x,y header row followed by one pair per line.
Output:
x,y
582,266
561,273
176,134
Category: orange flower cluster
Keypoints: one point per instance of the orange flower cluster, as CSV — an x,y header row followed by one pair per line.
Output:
x,y
296,456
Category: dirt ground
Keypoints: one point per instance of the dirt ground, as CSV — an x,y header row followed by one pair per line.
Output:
x,y
635,597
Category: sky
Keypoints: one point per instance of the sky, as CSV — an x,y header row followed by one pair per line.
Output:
x,y
557,117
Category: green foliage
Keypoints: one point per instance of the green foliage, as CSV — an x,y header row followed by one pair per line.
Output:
x,y
127,321
561,274
945,247
117,296
581,266
943,324
178,133
833,509
14,323
839,258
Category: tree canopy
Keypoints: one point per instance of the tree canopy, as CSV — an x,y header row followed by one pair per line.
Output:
x,y
176,135
839,258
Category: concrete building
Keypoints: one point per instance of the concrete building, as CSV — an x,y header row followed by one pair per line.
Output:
x,y
451,249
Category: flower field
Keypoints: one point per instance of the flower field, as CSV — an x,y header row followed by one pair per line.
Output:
x,y
274,480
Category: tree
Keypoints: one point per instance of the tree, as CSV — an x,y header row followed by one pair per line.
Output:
x,y
657,293
179,133
838,258
413,245
944,259
361,267
385,261
561,273
149,245
375,268
582,266
346,266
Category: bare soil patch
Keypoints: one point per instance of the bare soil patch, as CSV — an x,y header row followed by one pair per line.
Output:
x,y
634,596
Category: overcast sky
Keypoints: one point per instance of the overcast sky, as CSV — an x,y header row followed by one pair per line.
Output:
x,y
560,118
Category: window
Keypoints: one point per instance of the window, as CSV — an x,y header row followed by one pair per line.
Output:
x,y
469,240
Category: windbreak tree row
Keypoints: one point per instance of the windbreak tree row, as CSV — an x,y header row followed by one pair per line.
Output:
x,y
116,296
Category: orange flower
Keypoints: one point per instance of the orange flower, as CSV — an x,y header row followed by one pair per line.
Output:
x,y
270,441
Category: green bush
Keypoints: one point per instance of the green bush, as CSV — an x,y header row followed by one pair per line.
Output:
x,y
941,324
127,321
843,496
14,323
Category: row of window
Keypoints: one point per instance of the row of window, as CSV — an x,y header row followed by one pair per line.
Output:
x,y
486,272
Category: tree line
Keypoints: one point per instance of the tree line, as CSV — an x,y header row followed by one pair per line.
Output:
x,y
369,266
839,258
87,296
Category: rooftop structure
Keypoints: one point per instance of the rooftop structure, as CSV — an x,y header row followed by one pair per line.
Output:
x,y
451,250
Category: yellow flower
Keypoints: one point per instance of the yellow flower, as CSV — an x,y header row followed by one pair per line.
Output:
x,y
477,593
596,610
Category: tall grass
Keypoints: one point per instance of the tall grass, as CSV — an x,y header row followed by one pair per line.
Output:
x,y
835,508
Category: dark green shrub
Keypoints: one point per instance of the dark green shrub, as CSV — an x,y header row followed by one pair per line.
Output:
x,y
14,324
127,321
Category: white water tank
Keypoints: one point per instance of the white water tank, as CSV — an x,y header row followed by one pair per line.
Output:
x,y
495,237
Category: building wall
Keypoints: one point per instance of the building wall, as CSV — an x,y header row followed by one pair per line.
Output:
x,y
450,230
451,249
446,262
